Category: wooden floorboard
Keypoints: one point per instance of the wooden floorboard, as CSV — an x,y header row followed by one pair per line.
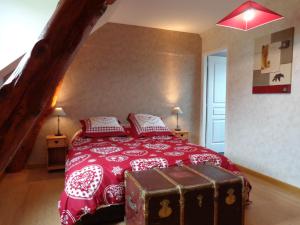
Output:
x,y
30,198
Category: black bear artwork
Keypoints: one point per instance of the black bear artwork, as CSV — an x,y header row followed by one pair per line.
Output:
x,y
278,77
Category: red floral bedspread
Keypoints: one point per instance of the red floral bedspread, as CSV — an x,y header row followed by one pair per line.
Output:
x,y
95,168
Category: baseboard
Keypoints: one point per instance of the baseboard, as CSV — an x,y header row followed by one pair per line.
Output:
x,y
277,183
35,166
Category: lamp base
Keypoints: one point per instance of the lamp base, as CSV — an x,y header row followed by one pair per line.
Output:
x,y
177,129
58,134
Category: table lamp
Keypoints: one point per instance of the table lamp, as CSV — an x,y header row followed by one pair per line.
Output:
x,y
177,110
58,111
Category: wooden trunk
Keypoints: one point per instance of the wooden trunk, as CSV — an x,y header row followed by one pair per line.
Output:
x,y
229,199
174,196
196,195
188,195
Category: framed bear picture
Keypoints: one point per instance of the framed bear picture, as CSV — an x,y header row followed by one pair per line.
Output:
x,y
273,60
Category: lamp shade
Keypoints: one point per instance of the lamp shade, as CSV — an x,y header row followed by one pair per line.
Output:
x,y
177,110
59,111
248,16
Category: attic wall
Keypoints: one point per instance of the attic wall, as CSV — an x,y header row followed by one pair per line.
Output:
x,y
137,70
262,131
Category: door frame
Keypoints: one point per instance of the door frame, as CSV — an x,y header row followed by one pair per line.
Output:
x,y
203,98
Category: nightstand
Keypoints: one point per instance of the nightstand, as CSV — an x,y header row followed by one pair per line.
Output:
x,y
57,147
183,134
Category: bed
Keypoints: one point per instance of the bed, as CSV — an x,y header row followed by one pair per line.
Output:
x,y
94,173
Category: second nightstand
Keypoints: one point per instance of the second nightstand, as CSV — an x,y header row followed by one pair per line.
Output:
x,y
183,134
57,147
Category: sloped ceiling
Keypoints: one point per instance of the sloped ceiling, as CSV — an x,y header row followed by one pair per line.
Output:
x,y
21,22
194,16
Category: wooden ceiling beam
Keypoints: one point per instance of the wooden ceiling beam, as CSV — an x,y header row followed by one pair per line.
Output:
x,y
26,95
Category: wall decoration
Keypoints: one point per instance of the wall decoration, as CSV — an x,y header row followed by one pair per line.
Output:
x,y
273,60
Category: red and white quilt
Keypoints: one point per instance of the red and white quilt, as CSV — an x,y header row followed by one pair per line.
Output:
x,y
95,168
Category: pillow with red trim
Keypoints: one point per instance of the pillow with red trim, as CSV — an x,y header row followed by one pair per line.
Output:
x,y
147,125
102,126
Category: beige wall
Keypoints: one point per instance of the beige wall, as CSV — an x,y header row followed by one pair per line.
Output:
x,y
123,69
263,131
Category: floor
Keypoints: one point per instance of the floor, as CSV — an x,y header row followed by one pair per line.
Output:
x,y
30,198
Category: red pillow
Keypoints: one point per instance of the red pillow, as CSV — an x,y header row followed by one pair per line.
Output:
x,y
144,125
102,126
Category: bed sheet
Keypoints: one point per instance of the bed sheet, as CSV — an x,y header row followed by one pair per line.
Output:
x,y
95,167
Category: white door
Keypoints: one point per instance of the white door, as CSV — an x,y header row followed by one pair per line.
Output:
x,y
216,100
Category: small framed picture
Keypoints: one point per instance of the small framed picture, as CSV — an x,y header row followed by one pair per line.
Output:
x,y
273,59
